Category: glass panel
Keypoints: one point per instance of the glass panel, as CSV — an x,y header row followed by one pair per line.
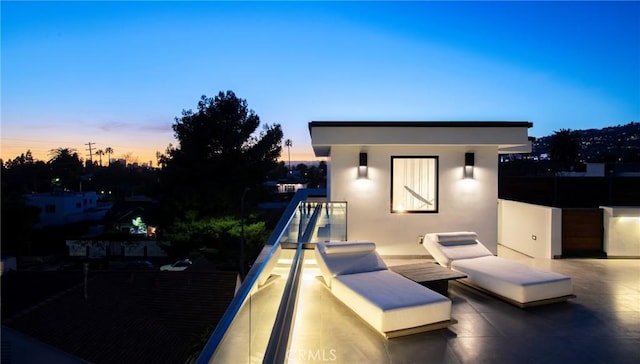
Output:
x,y
246,339
332,223
245,335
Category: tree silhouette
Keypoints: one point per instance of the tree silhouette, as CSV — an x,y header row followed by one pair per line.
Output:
x,y
66,166
109,151
564,147
219,154
17,221
158,158
100,153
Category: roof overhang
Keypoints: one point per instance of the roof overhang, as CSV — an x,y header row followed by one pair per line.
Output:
x,y
508,136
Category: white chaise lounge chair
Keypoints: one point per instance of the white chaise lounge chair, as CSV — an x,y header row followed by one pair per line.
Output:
x,y
516,283
390,303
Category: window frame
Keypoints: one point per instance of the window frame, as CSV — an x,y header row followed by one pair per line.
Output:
x,y
425,165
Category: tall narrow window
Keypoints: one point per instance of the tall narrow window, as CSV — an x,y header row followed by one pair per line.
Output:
x,y
414,184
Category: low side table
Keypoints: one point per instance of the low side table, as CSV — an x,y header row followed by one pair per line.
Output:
x,y
430,275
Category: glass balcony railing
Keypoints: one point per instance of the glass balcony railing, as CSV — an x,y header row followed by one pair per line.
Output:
x,y
258,323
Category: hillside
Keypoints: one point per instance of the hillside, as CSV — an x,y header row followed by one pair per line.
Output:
x,y
619,143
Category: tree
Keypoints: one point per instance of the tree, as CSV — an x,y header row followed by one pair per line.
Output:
x,y
109,151
219,154
158,158
17,224
216,237
129,158
317,175
100,153
66,166
22,159
564,147
24,174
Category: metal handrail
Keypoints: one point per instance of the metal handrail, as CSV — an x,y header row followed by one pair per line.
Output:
x,y
276,351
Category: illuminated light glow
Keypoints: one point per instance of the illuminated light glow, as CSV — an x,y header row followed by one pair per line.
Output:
x,y
468,183
362,172
303,323
629,219
363,184
151,231
468,172
310,274
287,261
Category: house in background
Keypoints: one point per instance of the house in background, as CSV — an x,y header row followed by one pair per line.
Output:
x,y
287,186
63,207
402,180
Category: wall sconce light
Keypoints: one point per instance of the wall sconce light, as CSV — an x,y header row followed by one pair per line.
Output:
x,y
469,161
362,166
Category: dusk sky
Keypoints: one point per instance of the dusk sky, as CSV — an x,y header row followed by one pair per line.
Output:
x,y
117,73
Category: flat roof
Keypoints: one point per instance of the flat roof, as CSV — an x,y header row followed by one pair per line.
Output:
x,y
422,124
508,136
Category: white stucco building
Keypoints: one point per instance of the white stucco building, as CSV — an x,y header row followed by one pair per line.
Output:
x,y
424,163
63,207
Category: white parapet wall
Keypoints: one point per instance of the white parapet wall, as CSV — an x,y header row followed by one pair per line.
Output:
x,y
533,230
621,231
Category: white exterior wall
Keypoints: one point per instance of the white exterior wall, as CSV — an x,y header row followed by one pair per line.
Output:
x,y
463,204
622,231
533,230
69,207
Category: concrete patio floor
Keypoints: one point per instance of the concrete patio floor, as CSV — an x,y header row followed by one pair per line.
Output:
x,y
601,325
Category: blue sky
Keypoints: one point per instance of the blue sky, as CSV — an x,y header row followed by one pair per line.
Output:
x,y
117,73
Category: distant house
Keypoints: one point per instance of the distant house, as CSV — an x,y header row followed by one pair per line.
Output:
x,y
135,215
288,185
64,207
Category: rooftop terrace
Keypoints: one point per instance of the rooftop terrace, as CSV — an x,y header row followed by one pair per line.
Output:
x,y
601,325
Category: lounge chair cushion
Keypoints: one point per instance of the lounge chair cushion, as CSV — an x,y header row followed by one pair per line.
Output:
x,y
389,301
339,258
331,248
447,247
449,238
516,281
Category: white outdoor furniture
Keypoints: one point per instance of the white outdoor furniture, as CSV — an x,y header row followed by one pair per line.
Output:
x,y
514,282
390,303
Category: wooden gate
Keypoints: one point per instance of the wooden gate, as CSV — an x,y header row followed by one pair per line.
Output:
x,y
582,232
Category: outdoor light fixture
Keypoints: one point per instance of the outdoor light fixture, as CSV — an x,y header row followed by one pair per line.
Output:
x,y
363,160
362,166
469,161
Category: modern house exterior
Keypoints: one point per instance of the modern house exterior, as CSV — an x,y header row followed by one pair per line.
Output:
x,y
389,183
402,180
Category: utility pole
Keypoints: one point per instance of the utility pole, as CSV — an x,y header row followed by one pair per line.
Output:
x,y
90,154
